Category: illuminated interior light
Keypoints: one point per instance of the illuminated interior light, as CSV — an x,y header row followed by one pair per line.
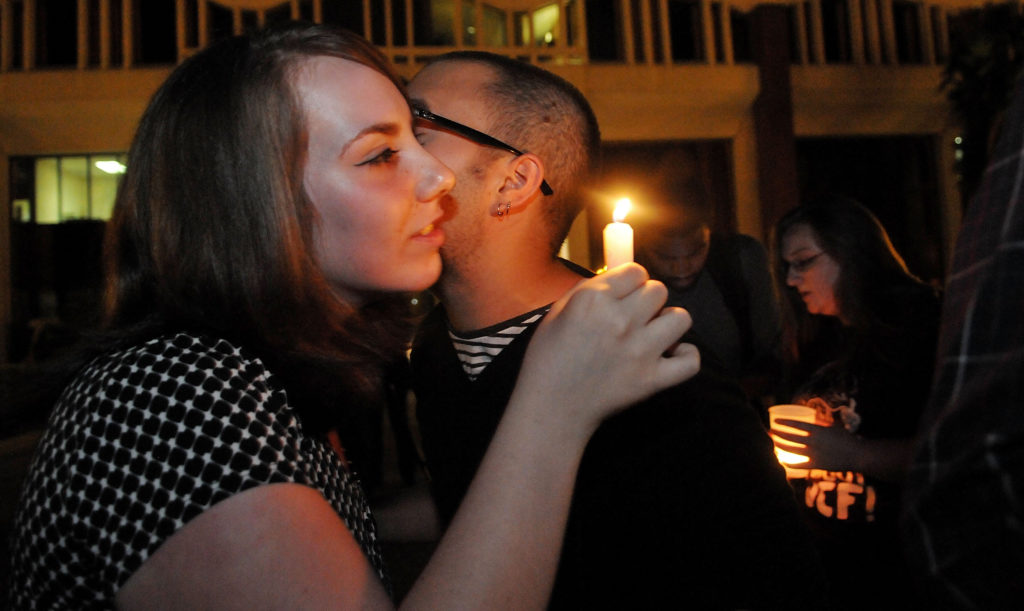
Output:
x,y
111,167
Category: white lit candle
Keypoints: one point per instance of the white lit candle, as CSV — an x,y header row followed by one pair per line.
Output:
x,y
618,236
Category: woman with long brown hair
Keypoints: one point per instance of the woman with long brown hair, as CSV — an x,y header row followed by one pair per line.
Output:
x,y
859,346
276,194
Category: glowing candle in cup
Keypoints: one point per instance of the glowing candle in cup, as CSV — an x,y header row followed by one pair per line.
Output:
x,y
618,236
786,451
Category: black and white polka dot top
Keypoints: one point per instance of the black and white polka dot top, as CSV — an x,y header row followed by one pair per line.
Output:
x,y
141,442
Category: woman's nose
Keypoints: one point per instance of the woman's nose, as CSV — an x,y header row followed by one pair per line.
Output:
x,y
792,276
437,179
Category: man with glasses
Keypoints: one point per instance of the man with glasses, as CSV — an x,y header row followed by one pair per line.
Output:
x,y
678,500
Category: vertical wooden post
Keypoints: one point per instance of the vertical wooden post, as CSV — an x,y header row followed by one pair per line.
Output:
x,y
888,33
725,13
666,33
927,35
181,29
817,33
6,36
127,34
28,35
856,32
627,33
802,45
646,32
707,23
778,186
458,25
367,21
83,34
581,21
874,42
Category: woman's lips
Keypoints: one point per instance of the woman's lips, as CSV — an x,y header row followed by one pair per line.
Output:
x,y
432,234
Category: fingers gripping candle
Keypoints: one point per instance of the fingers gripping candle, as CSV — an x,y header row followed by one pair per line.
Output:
x,y
618,236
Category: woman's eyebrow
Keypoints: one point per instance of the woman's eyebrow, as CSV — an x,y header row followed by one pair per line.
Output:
x,y
388,129
796,252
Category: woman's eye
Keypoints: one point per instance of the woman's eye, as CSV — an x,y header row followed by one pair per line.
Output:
x,y
803,264
384,156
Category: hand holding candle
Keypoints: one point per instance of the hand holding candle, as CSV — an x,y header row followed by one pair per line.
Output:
x,y
618,237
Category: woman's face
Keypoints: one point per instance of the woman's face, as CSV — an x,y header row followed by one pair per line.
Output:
x,y
375,190
810,270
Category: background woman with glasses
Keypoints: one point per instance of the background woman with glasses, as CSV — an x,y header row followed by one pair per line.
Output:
x,y
859,334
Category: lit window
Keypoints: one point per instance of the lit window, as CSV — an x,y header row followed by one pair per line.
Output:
x,y
68,188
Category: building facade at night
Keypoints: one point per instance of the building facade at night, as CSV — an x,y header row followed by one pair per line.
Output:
x,y
764,102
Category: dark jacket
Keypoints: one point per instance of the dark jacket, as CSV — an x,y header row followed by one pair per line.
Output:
x,y
679,500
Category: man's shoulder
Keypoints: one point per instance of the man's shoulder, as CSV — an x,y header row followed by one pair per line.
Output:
x,y
709,405
736,239
738,245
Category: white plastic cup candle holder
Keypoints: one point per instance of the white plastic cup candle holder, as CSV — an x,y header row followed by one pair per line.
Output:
x,y
789,453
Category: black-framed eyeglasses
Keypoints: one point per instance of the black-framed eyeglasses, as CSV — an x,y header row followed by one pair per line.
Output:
x,y
801,266
476,136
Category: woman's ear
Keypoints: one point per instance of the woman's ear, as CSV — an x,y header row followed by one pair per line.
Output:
x,y
523,180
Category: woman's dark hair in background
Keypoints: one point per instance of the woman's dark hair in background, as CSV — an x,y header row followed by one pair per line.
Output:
x,y
212,230
870,269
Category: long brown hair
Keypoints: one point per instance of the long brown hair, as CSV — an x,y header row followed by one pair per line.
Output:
x,y
870,269
212,231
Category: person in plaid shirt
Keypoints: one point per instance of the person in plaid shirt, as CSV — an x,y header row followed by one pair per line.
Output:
x,y
963,518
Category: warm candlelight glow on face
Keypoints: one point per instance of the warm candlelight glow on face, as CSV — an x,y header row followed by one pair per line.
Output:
x,y
622,208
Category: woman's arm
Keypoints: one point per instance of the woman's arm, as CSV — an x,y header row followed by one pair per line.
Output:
x,y
600,350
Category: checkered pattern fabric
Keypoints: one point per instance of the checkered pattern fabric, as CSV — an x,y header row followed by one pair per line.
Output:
x,y
965,494
141,442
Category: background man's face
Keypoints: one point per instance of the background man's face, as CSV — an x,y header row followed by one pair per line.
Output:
x,y
678,258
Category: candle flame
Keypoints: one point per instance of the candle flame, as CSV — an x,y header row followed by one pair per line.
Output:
x,y
622,208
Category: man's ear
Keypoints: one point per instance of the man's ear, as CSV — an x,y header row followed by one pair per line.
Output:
x,y
523,179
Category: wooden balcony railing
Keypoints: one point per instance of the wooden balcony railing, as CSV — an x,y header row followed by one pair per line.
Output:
x,y
115,34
